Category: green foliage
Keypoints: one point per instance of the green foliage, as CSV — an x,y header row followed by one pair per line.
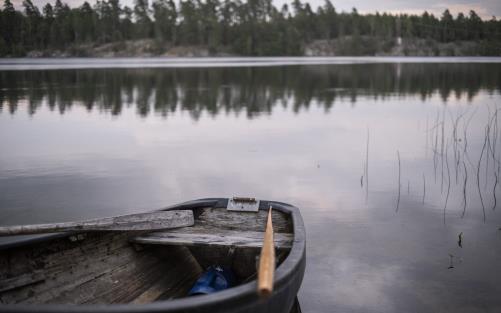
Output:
x,y
165,16
144,25
253,27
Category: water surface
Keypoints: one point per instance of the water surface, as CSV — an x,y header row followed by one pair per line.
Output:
x,y
324,135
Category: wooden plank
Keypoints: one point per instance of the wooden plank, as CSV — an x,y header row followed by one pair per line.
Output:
x,y
151,294
201,236
102,269
66,265
243,221
133,222
21,281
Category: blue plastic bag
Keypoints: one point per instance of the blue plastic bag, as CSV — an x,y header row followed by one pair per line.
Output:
x,y
216,278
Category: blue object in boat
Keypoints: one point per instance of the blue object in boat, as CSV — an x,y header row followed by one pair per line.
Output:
x,y
216,278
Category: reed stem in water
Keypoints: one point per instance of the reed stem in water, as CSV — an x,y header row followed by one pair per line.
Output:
x,y
448,178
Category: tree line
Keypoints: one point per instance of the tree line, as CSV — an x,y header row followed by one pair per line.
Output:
x,y
253,27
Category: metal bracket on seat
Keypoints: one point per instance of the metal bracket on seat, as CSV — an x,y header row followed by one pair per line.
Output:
x,y
243,204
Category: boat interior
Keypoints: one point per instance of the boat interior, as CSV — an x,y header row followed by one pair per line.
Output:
x,y
125,267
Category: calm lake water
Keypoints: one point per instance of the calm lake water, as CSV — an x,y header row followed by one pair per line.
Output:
x,y
389,160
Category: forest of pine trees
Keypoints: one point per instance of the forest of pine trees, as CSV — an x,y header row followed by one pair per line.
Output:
x,y
253,27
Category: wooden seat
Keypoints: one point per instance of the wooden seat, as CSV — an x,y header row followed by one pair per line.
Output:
x,y
217,237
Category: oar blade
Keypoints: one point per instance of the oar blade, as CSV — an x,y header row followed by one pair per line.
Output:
x,y
153,221
132,222
266,269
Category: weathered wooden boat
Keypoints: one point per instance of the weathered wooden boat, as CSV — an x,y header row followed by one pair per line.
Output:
x,y
123,271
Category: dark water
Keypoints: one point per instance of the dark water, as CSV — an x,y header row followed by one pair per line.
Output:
x,y
81,143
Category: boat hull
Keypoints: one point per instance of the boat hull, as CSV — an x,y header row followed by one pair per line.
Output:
x,y
242,299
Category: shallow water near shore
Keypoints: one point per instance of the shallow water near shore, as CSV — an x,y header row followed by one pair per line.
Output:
x,y
393,162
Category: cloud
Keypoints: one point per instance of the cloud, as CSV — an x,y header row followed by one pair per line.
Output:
x,y
484,8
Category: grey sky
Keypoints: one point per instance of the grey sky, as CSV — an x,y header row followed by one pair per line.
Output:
x,y
485,8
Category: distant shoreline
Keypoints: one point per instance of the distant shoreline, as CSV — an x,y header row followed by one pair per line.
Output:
x,y
22,64
341,47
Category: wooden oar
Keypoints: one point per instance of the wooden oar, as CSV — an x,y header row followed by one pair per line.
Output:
x,y
132,222
266,269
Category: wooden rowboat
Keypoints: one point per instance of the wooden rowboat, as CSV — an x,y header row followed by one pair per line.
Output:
x,y
123,271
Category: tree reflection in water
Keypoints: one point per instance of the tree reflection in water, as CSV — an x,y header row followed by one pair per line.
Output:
x,y
236,90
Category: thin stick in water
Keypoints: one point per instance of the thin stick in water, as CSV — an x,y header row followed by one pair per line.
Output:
x,y
494,190
448,178
492,143
498,135
367,168
466,125
487,155
457,155
464,188
436,147
478,176
495,136
465,146
442,143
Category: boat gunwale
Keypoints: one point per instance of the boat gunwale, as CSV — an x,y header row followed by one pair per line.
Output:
x,y
291,266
